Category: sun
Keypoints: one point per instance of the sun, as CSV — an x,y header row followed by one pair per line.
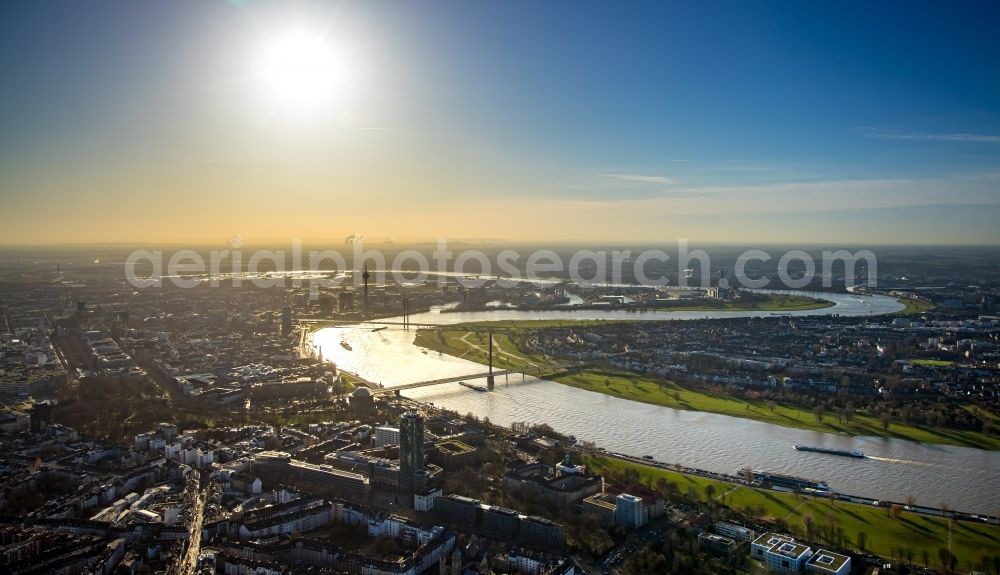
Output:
x,y
303,72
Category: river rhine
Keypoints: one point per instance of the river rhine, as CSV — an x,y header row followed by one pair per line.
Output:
x,y
934,474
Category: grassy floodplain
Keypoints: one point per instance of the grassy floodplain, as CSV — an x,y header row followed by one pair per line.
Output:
x,y
883,533
773,302
770,302
931,362
669,394
914,306
462,341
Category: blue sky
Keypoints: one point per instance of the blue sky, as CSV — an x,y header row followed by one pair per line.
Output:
x,y
727,121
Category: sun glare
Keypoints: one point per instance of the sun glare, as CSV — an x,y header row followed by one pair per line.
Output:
x,y
303,73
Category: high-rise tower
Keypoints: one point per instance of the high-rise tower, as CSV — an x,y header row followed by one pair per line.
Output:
x,y
411,451
286,320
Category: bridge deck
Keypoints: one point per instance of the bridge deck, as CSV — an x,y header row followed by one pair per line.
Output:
x,y
373,324
456,379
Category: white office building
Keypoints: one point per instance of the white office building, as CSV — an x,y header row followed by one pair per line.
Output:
x,y
734,531
825,562
172,450
780,553
386,435
631,511
423,500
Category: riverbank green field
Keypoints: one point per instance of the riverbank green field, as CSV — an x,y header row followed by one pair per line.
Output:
x,y
884,534
769,302
914,306
669,394
508,353
931,362
773,302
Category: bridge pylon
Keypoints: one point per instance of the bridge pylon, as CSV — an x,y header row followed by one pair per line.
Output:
x,y
490,380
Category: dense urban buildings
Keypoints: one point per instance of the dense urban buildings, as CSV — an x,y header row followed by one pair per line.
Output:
x,y
230,443
499,288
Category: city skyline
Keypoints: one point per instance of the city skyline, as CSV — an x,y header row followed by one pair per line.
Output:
x,y
169,122
499,288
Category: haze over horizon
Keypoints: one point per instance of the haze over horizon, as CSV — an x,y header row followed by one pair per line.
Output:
x,y
178,122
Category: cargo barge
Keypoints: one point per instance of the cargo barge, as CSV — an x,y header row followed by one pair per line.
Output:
x,y
841,452
767,478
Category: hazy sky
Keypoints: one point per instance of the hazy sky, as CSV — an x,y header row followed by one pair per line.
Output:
x,y
612,121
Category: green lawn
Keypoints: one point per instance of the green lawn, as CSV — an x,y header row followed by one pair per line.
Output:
x,y
914,306
661,392
473,346
773,302
931,362
883,533
600,464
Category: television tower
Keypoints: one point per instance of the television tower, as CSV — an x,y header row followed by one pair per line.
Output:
x,y
365,275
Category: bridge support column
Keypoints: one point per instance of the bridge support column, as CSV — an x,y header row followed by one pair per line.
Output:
x,y
490,381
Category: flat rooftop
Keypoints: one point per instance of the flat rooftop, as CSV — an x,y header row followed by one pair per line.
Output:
x,y
827,560
770,539
789,549
601,501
